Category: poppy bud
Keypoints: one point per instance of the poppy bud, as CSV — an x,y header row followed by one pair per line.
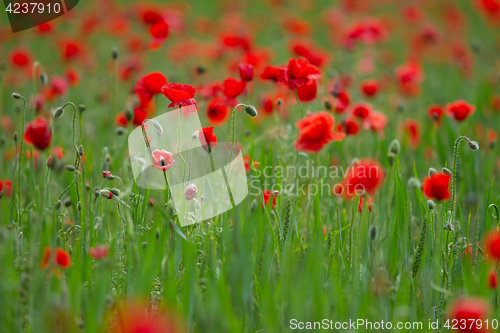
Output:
x,y
473,145
15,136
114,53
395,147
16,95
67,202
43,78
391,157
251,111
414,182
79,205
106,194
80,150
2,141
70,168
144,245
50,162
1,194
115,191
200,69
335,91
431,205
82,108
432,171
57,205
447,171
58,112
120,131
157,233
129,113
475,46
373,232
158,127
328,105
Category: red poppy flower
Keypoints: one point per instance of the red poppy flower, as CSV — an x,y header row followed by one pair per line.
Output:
x,y
270,73
412,128
492,245
72,77
298,73
341,102
248,163
436,113
38,133
307,92
57,152
159,32
493,279
58,88
58,256
207,136
437,186
315,57
6,187
267,196
361,204
44,28
460,110
162,160
370,87
232,88
179,94
20,58
235,40
246,72
361,110
469,310
363,177
349,127
151,16
315,131
148,86
409,75
99,252
267,104
217,112
376,122
70,49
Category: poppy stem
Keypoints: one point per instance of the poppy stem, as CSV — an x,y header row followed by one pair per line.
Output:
x,y
300,104
169,193
179,128
35,65
233,125
223,174
20,163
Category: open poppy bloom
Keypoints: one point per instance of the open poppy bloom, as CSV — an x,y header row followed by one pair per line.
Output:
x,y
315,131
460,110
492,279
349,127
363,177
38,133
270,73
437,186
267,196
207,137
412,128
58,88
231,89
55,258
409,75
341,102
469,309
6,187
179,94
217,112
246,72
162,160
361,110
148,86
159,32
492,245
308,92
99,252
436,113
20,58
370,87
298,73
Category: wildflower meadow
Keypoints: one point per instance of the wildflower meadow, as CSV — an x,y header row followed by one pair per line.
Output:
x,y
249,166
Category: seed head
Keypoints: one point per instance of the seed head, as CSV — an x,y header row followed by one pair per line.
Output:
x,y
251,111
82,108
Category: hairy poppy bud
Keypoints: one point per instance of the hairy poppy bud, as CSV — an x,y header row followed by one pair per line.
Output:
x,y
157,233
70,168
16,95
79,205
58,112
251,111
391,157
15,136
115,191
2,141
106,194
431,204
473,145
1,194
414,182
158,127
432,171
328,105
114,53
50,162
80,150
43,78
129,113
373,232
82,108
120,130
395,147
67,202
447,171
57,205
144,245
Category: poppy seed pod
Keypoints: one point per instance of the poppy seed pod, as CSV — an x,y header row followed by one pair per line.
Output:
x,y
58,112
16,95
395,147
70,168
431,204
251,111
447,171
106,194
43,78
80,150
432,171
473,145
114,53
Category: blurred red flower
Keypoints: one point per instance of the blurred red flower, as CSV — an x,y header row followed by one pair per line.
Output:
x,y
409,75
315,131
99,252
361,110
267,196
493,279
370,87
55,257
149,85
468,309
412,128
20,57
271,73
179,94
363,177
6,187
217,112
437,186
307,92
492,245
436,113
298,73
207,137
341,102
246,72
232,88
460,110
38,133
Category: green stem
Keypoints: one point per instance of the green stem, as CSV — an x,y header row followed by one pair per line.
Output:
x,y
21,137
179,128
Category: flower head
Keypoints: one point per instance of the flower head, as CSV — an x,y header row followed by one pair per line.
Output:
x,y
190,192
460,110
207,136
179,94
99,251
217,112
467,310
315,131
437,186
363,177
38,133
492,245
55,257
298,73
162,160
148,86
